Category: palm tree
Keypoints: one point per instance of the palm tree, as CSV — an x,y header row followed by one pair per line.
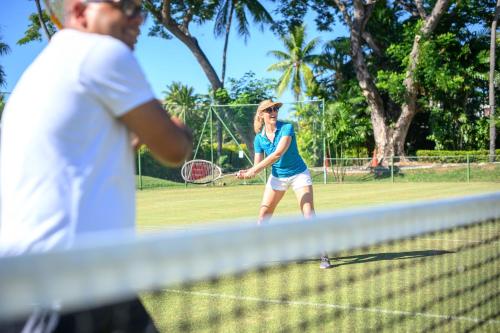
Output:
x,y
179,99
238,8
295,62
4,49
42,21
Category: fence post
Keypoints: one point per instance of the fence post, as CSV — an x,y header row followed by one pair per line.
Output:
x,y
139,168
468,169
324,140
392,168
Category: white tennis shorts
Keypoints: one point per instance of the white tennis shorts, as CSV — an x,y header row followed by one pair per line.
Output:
x,y
297,181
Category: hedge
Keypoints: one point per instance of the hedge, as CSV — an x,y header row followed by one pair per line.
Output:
x,y
454,156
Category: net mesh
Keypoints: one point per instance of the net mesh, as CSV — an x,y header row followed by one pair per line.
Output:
x,y
420,267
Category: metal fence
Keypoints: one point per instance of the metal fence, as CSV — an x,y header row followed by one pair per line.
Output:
x,y
466,168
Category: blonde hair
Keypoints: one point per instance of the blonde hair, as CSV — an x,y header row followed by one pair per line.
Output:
x,y
258,122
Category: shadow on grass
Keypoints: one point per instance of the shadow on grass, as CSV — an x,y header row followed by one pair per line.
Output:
x,y
371,257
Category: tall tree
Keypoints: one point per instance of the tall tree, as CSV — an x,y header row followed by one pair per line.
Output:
x,y
4,49
389,138
295,62
372,26
491,89
226,10
42,20
238,8
173,18
180,100
38,21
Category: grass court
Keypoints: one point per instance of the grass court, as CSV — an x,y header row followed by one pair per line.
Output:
x,y
444,281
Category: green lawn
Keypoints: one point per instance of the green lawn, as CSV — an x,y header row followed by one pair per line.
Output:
x,y
444,282
167,207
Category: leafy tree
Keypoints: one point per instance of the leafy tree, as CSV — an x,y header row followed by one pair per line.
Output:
x,y
242,95
38,21
309,129
181,101
2,104
396,49
227,9
295,62
4,49
250,90
174,18
334,71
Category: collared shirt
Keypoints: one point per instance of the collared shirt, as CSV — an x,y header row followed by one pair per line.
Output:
x,y
67,166
290,163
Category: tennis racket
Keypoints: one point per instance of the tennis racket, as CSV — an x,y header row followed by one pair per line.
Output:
x,y
55,9
202,172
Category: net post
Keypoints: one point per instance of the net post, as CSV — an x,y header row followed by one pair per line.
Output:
x,y
392,169
324,138
139,168
468,169
211,135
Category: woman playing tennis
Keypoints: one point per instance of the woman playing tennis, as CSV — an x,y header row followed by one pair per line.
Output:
x,y
277,140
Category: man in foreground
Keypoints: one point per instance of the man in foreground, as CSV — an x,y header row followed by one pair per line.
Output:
x,y
67,158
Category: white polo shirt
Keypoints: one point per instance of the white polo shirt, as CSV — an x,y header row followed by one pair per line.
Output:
x,y
66,164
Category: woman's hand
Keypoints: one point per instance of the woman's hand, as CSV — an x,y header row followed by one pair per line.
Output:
x,y
245,174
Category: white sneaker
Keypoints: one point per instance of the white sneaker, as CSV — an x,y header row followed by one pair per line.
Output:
x,y
325,263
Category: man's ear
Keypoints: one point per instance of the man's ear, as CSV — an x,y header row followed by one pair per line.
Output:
x,y
77,14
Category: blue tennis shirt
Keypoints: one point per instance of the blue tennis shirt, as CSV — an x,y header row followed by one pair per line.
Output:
x,y
290,163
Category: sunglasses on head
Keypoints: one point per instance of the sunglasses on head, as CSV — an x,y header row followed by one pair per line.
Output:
x,y
271,109
131,8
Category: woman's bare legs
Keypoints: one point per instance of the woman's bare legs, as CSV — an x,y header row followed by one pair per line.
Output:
x,y
270,200
305,199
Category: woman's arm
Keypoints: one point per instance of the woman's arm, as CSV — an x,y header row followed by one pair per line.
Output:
x,y
261,163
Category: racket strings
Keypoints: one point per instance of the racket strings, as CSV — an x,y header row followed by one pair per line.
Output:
x,y
200,172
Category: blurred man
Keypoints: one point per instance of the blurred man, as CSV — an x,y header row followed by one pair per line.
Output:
x,y
67,158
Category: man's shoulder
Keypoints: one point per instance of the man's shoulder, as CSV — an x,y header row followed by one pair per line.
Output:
x,y
98,43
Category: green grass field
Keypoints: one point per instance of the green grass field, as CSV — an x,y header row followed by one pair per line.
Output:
x,y
167,207
444,282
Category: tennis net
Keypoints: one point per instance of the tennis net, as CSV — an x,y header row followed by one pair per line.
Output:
x,y
419,267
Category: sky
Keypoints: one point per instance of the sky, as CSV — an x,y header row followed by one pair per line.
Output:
x,y
162,61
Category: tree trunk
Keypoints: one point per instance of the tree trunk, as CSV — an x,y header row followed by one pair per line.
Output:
x,y
381,131
181,32
409,108
389,140
223,72
194,47
491,93
42,23
226,41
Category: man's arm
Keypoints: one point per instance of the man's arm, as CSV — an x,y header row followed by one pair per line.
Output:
x,y
167,137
